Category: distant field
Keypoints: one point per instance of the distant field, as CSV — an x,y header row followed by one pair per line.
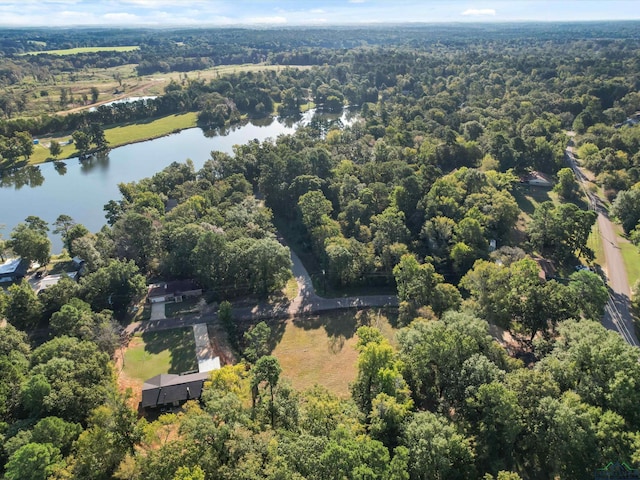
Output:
x,y
320,349
114,83
75,51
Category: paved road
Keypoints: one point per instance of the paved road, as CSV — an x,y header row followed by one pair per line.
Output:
x,y
306,302
617,312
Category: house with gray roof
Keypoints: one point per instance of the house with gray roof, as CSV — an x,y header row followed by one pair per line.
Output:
x,y
171,390
13,270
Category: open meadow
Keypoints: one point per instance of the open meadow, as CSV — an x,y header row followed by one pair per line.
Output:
x,y
320,349
153,353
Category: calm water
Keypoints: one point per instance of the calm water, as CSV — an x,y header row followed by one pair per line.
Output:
x,y
81,189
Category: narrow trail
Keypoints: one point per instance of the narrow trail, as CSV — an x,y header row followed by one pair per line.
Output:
x,y
307,302
618,310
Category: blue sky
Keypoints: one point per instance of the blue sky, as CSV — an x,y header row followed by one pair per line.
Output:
x,y
313,12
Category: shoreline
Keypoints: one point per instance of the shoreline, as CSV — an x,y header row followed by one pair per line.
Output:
x,y
112,144
165,126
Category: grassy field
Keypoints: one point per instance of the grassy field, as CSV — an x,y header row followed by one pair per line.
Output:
x,y
41,151
136,132
153,353
320,349
594,242
631,257
291,289
186,307
113,83
120,135
75,51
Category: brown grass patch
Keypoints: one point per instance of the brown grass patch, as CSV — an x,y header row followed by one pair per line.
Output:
x,y
320,349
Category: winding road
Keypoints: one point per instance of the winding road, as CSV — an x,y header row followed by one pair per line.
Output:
x,y
617,311
307,302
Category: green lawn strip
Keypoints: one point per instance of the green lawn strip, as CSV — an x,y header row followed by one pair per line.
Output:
x,y
291,289
75,51
41,152
146,130
320,349
119,135
631,258
186,307
153,353
594,242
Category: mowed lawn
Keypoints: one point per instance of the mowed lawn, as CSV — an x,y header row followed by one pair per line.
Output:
x,y
320,349
153,353
144,130
631,257
594,242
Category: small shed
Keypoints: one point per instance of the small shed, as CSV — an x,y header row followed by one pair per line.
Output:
x,y
537,179
171,390
174,291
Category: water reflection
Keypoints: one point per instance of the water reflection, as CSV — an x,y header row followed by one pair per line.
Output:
x,y
290,120
60,167
99,161
30,176
81,189
263,122
228,129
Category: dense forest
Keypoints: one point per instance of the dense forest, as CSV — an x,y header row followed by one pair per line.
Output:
x,y
421,196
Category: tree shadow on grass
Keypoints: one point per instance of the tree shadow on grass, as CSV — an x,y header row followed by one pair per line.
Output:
x,y
524,193
179,342
339,326
278,328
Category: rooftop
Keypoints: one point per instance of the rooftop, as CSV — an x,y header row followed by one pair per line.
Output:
x,y
173,287
10,266
168,388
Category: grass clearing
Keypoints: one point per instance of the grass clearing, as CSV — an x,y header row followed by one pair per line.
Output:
x,y
75,51
529,197
41,152
185,307
631,257
320,349
119,135
146,130
153,353
291,289
594,242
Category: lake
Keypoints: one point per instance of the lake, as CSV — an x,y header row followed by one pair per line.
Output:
x,y
81,189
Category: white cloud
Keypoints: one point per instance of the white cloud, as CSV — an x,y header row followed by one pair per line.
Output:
x,y
265,20
159,3
317,10
479,12
357,1
121,17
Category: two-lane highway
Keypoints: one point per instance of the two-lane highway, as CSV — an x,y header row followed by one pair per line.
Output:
x,y
617,313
